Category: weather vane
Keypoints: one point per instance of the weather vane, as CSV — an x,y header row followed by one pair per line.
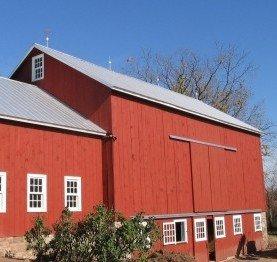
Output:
x,y
47,33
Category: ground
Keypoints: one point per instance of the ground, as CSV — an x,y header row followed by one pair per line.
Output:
x,y
268,255
265,256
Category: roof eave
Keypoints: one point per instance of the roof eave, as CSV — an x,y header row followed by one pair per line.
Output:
x,y
51,125
22,60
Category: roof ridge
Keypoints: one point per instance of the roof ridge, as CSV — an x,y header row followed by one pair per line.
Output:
x,y
126,76
102,67
147,91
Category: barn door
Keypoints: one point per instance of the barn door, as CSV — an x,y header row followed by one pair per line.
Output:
x,y
201,177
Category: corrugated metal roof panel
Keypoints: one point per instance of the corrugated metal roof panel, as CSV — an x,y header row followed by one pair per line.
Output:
x,y
144,90
29,104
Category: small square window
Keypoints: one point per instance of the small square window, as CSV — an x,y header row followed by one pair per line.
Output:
x,y
219,224
73,193
37,67
257,222
237,224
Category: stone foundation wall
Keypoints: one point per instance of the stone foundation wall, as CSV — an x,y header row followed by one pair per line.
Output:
x,y
264,231
14,247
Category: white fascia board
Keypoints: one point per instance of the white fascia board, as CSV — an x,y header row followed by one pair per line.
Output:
x,y
27,121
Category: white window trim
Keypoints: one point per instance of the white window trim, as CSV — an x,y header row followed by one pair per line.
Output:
x,y
79,188
44,193
205,229
3,176
186,230
224,230
33,67
173,242
174,223
241,231
259,215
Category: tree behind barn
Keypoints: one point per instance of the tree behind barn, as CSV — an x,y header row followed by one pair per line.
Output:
x,y
222,80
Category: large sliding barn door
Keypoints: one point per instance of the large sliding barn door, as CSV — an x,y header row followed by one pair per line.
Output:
x,y
210,177
201,177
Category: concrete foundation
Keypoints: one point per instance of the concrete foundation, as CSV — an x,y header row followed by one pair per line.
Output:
x,y
264,230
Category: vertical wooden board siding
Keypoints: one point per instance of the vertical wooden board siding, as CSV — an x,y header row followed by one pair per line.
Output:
x,y
85,95
93,100
220,171
253,187
171,177
179,247
201,178
161,192
227,247
30,150
183,175
218,179
161,185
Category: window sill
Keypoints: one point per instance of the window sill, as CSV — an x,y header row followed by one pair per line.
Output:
x,y
36,211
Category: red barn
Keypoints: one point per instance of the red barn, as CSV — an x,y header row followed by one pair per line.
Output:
x,y
77,134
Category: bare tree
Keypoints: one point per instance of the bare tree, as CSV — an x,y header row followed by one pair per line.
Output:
x,y
221,80
271,190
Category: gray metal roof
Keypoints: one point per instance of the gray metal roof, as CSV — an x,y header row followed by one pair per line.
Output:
x,y
138,88
29,104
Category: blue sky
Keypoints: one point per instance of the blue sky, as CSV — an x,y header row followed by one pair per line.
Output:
x,y
95,30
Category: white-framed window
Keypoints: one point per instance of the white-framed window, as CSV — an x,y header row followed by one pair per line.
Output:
x,y
169,233
73,193
175,232
219,225
181,230
237,224
37,67
200,229
3,192
36,193
258,222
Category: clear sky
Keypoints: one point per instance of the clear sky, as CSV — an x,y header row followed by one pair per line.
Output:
x,y
95,30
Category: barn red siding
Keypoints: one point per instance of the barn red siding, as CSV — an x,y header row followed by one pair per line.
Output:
x,y
145,170
86,96
143,153
28,150
225,247
153,173
80,92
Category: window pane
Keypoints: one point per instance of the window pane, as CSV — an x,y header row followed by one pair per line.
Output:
x,y
180,232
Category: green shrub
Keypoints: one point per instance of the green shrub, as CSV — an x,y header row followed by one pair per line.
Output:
x,y
63,245
36,238
103,235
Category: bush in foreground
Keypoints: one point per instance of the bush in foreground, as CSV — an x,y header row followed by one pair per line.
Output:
x,y
103,235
